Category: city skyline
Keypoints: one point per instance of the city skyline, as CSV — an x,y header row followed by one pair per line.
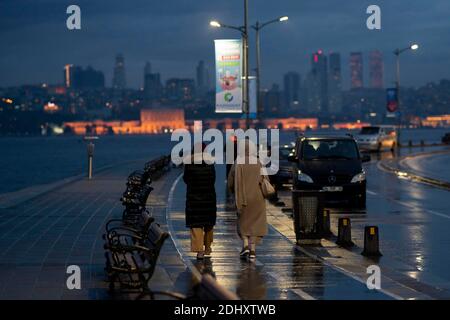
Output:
x,y
174,50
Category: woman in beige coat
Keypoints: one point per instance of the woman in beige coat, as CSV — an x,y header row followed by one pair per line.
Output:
x,y
244,180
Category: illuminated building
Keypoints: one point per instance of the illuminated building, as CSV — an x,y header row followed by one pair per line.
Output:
x,y
68,75
356,70
334,84
292,123
317,84
180,89
376,69
437,121
272,101
51,107
78,78
350,125
152,121
291,84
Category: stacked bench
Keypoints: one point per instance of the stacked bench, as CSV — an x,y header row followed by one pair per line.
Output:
x,y
133,243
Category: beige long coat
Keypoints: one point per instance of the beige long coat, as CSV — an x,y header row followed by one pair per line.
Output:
x,y
244,180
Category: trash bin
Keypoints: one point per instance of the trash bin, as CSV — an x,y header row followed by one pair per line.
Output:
x,y
307,208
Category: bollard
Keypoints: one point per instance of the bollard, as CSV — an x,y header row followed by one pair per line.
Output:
x,y
324,224
344,233
410,144
90,152
371,242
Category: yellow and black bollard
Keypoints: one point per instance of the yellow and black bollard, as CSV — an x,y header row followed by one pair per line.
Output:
x,y
371,242
324,224
344,233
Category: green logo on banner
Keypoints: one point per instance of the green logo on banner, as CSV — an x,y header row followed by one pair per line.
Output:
x,y
228,97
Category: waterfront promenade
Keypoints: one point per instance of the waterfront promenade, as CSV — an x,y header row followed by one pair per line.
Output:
x,y
63,226
39,238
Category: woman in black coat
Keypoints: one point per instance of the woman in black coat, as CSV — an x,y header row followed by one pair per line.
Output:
x,y
201,206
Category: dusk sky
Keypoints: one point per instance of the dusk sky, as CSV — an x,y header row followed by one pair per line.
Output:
x,y
175,34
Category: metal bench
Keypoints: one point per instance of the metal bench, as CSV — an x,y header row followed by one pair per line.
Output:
x,y
131,261
140,227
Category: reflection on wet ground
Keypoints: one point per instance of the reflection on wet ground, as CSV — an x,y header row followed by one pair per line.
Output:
x,y
280,270
413,219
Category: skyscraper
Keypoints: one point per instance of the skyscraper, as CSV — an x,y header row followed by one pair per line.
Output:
x,y
272,101
119,80
152,84
202,78
376,69
317,84
152,87
356,70
147,68
68,75
334,84
291,84
78,78
180,89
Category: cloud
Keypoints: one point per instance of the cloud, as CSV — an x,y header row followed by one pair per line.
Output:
x,y
174,35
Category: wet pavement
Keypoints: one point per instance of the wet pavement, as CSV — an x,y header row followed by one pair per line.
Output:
x,y
434,165
413,220
281,271
40,237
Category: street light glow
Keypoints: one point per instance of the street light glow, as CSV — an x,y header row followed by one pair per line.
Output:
x,y
215,24
415,46
284,18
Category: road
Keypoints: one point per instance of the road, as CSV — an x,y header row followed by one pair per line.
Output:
x,y
413,218
430,165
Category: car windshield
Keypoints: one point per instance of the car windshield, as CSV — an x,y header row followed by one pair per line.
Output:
x,y
370,130
285,152
329,149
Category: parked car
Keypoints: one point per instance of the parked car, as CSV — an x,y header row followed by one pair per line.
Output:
x,y
333,165
285,172
446,138
377,138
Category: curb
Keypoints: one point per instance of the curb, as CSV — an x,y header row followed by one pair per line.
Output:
x,y
414,177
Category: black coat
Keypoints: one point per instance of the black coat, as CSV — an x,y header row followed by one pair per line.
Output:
x,y
201,206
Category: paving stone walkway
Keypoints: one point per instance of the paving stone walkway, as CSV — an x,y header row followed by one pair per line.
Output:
x,y
40,237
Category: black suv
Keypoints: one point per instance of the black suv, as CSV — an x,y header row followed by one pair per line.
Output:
x,y
331,164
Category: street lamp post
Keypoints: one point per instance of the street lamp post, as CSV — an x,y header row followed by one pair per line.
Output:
x,y
244,33
397,53
257,28
246,75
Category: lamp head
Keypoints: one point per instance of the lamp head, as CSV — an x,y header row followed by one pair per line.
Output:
x,y
284,18
415,46
215,24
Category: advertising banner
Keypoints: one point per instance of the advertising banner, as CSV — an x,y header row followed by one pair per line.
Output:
x,y
228,76
391,99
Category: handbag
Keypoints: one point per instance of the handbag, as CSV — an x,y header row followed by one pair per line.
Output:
x,y
266,188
